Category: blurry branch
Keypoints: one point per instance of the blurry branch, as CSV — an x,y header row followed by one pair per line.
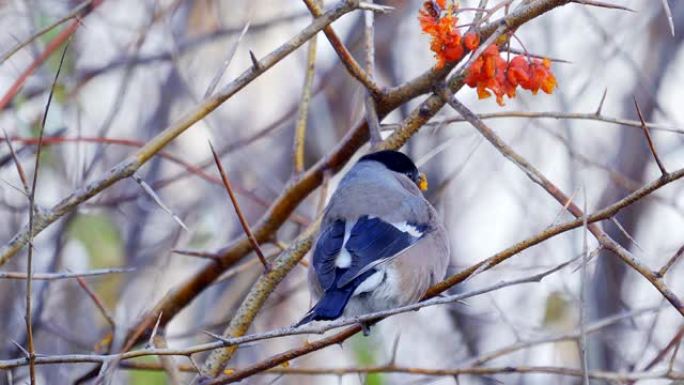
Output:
x,y
668,14
582,340
17,164
537,177
601,4
226,63
50,48
618,377
188,45
63,275
79,11
671,262
346,57
673,344
189,169
369,101
238,210
98,303
304,106
550,115
603,214
157,199
590,328
127,167
32,211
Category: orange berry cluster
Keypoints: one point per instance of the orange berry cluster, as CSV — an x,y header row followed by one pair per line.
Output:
x,y
490,73
446,40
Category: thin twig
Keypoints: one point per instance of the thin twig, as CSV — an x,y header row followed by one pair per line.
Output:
x,y
52,46
369,102
649,140
304,105
571,336
63,275
98,302
549,115
478,371
155,197
602,4
663,270
17,164
603,99
583,296
226,63
238,210
668,14
150,342
346,57
32,209
78,11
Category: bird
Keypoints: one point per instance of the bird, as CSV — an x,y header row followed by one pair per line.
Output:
x,y
381,244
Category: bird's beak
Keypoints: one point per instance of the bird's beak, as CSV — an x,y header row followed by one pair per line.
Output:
x,y
422,182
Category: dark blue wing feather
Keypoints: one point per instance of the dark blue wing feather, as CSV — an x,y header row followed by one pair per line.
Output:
x,y
334,300
327,248
371,240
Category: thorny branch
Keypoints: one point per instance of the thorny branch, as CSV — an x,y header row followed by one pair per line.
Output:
x,y
382,102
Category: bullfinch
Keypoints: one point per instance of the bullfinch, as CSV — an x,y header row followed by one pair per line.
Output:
x,y
381,243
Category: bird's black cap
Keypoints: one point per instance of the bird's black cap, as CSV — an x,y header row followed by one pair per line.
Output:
x,y
395,161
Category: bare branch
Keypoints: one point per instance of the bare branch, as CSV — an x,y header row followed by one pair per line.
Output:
x,y
303,110
63,275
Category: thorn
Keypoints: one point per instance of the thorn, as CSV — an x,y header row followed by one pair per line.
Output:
x,y
197,254
601,4
243,222
150,342
603,99
24,351
255,62
649,140
395,348
150,191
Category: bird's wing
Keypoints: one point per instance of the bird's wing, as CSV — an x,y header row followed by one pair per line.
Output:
x,y
327,248
373,241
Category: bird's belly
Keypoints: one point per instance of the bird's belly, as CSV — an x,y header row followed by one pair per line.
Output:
x,y
387,295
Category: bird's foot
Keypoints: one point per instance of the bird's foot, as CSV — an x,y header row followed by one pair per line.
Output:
x,y
365,328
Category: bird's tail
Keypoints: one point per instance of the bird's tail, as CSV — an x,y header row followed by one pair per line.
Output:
x,y
330,306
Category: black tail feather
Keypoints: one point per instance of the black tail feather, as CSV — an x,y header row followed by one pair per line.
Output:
x,y
330,306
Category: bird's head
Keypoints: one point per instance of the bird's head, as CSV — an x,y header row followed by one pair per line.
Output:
x,y
399,162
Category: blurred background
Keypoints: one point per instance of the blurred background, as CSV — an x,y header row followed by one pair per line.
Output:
x,y
134,67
